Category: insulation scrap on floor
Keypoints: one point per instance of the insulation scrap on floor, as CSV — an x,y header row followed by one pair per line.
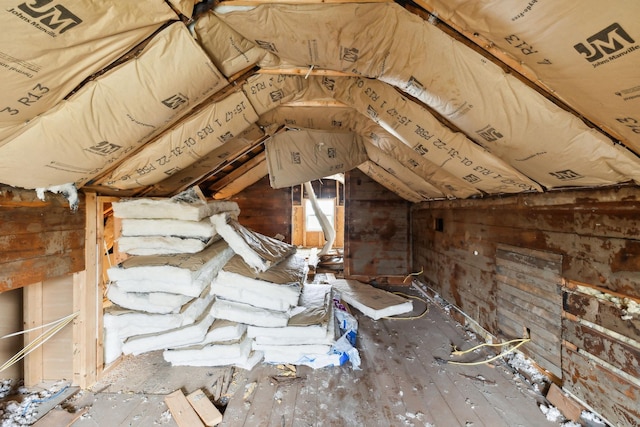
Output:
x,y
372,302
260,252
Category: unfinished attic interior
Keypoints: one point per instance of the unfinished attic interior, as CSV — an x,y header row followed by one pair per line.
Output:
x,y
310,213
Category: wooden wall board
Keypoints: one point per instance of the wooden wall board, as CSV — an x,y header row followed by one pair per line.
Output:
x,y
596,231
33,314
38,239
297,234
266,210
614,397
46,243
602,313
11,309
623,355
376,229
57,353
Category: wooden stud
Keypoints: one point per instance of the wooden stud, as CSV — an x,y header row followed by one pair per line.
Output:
x,y
87,303
32,318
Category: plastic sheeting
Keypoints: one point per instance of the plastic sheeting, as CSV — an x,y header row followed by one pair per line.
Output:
x,y
112,115
258,251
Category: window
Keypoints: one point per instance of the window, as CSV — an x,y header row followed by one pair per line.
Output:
x,y
327,206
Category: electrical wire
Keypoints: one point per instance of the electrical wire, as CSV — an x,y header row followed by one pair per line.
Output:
x,y
520,341
413,274
426,310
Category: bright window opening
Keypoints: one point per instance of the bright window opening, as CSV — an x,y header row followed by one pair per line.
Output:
x,y
327,206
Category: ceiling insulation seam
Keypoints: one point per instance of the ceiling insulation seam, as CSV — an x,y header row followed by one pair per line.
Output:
x,y
182,145
583,42
454,87
390,182
209,165
112,115
347,118
46,52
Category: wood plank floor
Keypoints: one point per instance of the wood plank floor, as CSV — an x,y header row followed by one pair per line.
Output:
x,y
401,383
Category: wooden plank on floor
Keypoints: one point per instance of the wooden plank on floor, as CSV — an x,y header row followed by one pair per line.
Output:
x,y
207,412
126,409
182,411
59,418
513,403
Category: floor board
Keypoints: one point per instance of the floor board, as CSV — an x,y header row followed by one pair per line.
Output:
x,y
403,382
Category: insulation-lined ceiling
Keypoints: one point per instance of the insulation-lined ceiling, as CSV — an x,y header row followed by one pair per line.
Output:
x,y
439,99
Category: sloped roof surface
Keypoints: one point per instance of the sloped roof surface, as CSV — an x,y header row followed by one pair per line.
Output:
x,y
437,99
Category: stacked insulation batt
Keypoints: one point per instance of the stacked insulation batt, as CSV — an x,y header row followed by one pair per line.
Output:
x,y
240,299
162,293
259,286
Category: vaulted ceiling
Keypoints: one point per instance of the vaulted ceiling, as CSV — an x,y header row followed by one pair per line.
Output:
x,y
433,99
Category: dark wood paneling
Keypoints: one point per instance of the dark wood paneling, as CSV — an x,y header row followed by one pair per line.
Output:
x,y
595,232
265,210
376,229
38,239
611,395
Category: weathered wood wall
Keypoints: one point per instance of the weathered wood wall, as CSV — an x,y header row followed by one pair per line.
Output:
x,y
376,229
38,239
529,301
265,210
586,237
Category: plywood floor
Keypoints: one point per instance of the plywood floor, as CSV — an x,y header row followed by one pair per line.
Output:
x,y
401,383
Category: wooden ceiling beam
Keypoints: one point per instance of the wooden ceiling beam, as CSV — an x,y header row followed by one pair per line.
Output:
x,y
238,172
